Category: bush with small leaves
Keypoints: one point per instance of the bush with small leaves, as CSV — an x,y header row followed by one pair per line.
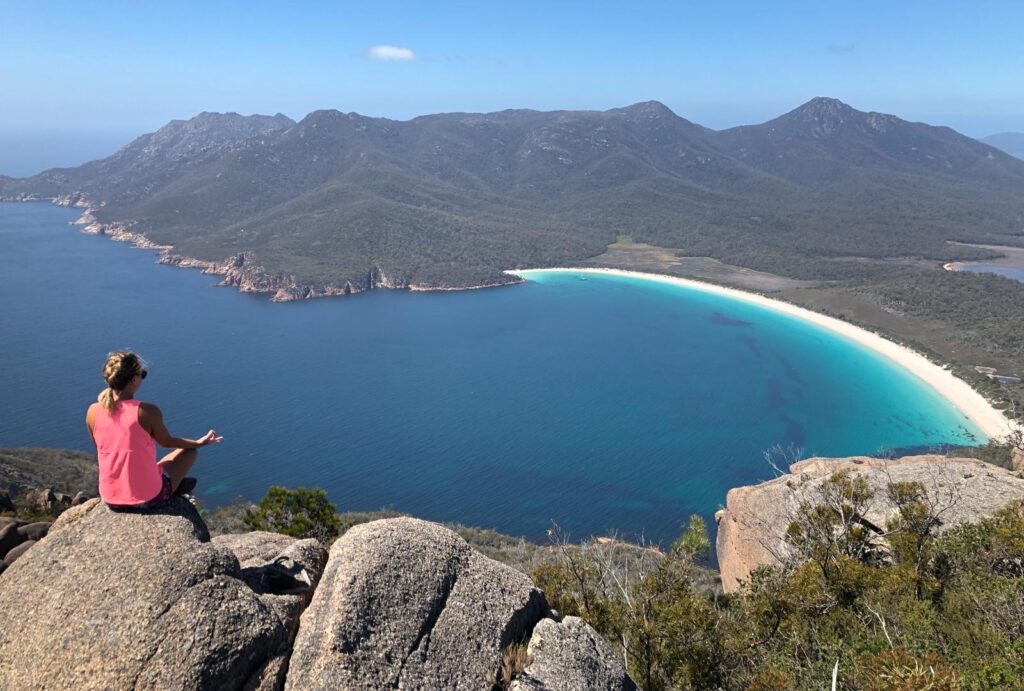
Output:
x,y
299,512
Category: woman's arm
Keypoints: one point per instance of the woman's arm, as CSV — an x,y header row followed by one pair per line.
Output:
x,y
90,417
152,420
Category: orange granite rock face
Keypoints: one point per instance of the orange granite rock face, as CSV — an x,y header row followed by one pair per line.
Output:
x,y
752,526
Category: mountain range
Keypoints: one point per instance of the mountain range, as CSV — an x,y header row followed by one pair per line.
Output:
x,y
340,202
1010,142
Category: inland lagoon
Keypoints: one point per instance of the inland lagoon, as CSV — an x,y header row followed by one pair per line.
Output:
x,y
603,402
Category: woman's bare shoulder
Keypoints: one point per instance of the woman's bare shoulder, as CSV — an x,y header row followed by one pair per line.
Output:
x,y
149,411
90,414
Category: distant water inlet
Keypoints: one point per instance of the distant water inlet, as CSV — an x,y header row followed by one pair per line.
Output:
x,y
1014,272
1010,265
605,404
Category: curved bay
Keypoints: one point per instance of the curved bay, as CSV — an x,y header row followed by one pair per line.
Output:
x,y
604,404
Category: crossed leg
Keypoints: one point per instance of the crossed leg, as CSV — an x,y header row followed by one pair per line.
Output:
x,y
177,463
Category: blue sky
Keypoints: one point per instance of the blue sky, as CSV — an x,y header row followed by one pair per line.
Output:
x,y
77,77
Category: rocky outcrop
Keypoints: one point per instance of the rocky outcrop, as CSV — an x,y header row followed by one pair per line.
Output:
x,y
74,199
752,526
146,600
408,604
1017,460
571,656
16,553
9,538
17,537
283,571
112,600
45,501
34,531
241,271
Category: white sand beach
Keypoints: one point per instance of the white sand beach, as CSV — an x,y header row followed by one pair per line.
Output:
x,y
971,403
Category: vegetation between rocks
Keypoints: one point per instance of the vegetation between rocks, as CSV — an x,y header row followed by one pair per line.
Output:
x,y
898,606
300,512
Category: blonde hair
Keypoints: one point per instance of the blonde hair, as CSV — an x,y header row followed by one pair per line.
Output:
x,y
118,371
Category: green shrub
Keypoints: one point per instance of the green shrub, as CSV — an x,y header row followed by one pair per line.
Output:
x,y
901,606
297,512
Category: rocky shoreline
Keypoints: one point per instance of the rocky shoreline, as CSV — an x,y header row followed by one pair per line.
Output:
x,y
240,271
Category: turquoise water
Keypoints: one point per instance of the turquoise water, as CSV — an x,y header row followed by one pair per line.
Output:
x,y
603,404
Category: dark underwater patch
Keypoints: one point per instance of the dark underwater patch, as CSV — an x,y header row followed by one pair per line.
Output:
x,y
751,344
721,320
789,370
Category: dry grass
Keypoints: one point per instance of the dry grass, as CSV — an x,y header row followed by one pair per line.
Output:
x,y
514,660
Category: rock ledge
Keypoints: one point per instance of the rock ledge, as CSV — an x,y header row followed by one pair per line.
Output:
x,y
752,524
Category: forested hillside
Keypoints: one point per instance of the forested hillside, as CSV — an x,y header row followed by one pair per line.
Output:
x,y
455,199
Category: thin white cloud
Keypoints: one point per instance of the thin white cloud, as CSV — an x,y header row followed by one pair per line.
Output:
x,y
840,48
391,53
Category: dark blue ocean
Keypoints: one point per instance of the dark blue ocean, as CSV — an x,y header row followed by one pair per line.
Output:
x,y
603,404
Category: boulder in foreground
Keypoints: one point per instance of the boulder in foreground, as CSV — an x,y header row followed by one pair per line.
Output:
x,y
571,656
408,604
113,600
145,600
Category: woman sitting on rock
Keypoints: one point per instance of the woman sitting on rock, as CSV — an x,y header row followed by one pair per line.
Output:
x,y
126,432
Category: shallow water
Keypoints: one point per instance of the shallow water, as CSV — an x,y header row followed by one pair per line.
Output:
x,y
603,404
1014,272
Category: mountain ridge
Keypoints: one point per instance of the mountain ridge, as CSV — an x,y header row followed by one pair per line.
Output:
x,y
321,205
1010,142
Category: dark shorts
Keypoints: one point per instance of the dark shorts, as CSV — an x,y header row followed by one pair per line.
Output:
x,y
166,492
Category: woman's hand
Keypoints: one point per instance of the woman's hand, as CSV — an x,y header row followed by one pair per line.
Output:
x,y
209,438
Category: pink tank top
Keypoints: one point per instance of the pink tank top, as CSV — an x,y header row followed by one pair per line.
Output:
x,y
129,473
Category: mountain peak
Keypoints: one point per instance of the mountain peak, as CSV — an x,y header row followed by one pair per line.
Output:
x,y
227,124
332,117
649,109
179,139
823,107
823,116
207,117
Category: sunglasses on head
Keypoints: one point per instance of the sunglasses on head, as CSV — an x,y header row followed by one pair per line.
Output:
x,y
143,374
